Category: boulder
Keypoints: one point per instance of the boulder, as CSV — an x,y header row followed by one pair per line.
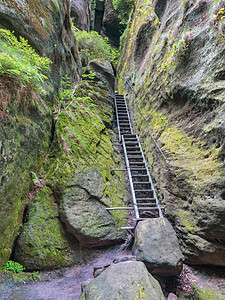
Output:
x,y
157,246
81,14
103,72
42,243
84,213
83,181
126,280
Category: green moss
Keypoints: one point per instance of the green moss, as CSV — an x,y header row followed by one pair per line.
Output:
x,y
41,243
184,150
141,292
205,293
186,220
83,141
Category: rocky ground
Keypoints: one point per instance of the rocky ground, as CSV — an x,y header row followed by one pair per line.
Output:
x,y
65,284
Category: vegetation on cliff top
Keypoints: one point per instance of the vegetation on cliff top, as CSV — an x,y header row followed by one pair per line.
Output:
x,y
92,45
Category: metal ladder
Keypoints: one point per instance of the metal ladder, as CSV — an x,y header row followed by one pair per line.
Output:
x,y
145,202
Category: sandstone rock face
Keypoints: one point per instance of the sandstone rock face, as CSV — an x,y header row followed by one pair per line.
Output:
x,y
22,137
42,244
171,66
157,246
80,169
126,280
111,23
103,72
84,212
47,27
25,121
81,14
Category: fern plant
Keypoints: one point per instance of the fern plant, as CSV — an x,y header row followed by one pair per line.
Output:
x,y
19,61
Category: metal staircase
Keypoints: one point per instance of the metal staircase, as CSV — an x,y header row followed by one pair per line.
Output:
x,y
145,202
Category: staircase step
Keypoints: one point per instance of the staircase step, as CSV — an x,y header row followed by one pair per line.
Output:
x,y
130,148
128,227
141,176
142,183
147,204
148,208
144,191
147,199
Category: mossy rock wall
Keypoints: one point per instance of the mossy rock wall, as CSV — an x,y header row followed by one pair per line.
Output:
x,y
25,120
172,67
25,137
79,168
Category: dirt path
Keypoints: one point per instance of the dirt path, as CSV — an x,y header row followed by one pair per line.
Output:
x,y
59,285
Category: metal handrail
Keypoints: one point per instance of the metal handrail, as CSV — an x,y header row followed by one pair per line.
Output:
x,y
117,118
130,180
158,147
150,179
128,116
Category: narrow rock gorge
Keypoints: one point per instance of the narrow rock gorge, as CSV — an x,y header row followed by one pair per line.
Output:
x,y
67,219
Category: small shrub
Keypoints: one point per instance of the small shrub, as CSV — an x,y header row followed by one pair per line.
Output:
x,y
13,266
124,8
91,45
16,272
23,73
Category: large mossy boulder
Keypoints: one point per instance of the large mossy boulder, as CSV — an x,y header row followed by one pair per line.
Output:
x,y
127,280
103,72
172,58
83,210
79,167
24,141
157,246
42,243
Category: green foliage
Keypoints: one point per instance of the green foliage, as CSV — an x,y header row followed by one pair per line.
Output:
x,y
19,61
13,266
181,49
91,45
16,272
93,4
34,178
124,7
89,76
220,15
